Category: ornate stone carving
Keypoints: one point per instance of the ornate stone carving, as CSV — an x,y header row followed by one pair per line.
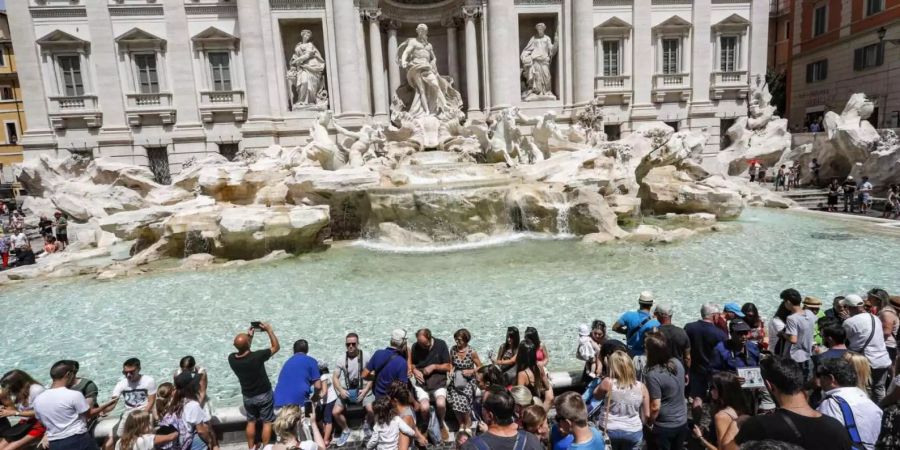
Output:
x,y
307,75
371,14
426,93
536,58
471,12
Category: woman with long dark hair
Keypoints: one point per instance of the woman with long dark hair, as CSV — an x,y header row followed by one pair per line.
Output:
x,y
732,407
21,390
757,326
665,384
776,325
531,375
187,416
189,365
543,355
506,355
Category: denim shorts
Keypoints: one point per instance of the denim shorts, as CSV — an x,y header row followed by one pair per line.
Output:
x,y
260,407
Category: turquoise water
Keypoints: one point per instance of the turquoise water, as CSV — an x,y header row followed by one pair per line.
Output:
x,y
550,284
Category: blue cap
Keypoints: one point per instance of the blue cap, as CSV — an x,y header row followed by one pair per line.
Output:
x,y
734,308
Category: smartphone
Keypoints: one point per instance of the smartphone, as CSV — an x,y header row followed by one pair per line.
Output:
x,y
256,325
307,409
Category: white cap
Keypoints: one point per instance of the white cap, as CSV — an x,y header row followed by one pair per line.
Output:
x,y
646,298
849,177
853,301
398,336
584,330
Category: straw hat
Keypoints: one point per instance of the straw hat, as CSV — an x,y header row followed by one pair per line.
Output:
x,y
812,302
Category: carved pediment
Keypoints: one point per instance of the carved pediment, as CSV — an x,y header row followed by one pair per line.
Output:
x,y
61,39
613,27
137,37
214,34
674,24
733,22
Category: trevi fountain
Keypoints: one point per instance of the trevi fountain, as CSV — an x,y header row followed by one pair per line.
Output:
x,y
437,219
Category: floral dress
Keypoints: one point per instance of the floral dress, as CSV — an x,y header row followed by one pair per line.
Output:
x,y
461,399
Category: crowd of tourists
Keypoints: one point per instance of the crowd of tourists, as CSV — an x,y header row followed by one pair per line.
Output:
x,y
16,247
809,377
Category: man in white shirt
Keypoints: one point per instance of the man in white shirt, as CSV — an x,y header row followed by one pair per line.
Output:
x,y
138,391
848,403
865,336
64,412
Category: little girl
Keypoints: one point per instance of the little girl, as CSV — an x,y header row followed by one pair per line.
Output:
x,y
137,433
388,426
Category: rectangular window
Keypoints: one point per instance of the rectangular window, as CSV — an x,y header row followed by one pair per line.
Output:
x,y
12,133
148,78
2,56
787,30
611,61
874,7
728,53
869,56
670,64
220,65
70,74
819,24
817,71
6,93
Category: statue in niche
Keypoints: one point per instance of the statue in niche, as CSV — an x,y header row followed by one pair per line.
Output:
x,y
307,75
431,94
536,65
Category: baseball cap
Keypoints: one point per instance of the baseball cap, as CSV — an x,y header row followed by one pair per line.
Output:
x,y
734,308
739,326
584,330
853,301
646,298
398,336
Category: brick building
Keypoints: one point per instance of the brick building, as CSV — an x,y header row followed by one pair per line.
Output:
x,y
834,48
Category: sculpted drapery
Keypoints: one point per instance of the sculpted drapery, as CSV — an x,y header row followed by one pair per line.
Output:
x,y
307,72
536,66
433,94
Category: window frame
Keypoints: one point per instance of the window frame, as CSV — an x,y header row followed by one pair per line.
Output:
x,y
61,74
820,68
815,24
868,10
619,69
15,125
12,93
138,72
213,70
676,66
735,53
3,55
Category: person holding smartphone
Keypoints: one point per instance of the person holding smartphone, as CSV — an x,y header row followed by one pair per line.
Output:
x,y
250,369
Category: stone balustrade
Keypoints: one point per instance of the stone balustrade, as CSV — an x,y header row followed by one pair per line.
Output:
x,y
85,107
230,102
735,81
676,84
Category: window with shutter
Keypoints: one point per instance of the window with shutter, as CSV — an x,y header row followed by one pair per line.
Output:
x,y
148,78
819,17
220,65
611,58
869,56
874,7
70,73
858,59
728,53
670,56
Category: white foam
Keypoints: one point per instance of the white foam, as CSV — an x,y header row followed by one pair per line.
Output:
x,y
492,241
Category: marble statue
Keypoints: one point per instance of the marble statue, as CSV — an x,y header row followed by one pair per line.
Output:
x,y
367,144
536,66
321,147
307,75
432,94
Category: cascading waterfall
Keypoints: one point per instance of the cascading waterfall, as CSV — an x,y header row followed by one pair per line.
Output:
x,y
562,219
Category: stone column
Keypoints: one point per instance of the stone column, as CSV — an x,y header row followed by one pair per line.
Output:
x,y
180,57
700,62
37,136
470,14
393,64
642,64
759,29
364,79
452,54
255,69
347,58
503,53
105,76
378,83
582,51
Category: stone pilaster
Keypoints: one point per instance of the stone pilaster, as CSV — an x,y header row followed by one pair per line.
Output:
x,y
642,54
452,25
255,68
470,15
379,96
583,51
701,61
180,59
503,53
105,81
759,32
347,58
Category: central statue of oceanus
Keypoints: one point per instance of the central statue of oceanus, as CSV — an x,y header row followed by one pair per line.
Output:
x,y
426,93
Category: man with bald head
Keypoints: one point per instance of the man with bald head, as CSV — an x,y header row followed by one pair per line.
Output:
x,y
250,368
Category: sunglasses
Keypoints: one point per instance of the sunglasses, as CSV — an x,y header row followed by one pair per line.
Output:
x,y
129,372
351,344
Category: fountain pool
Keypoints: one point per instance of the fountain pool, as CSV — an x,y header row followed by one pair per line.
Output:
x,y
550,284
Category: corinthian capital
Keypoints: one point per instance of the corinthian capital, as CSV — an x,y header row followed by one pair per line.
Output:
x,y
371,14
471,12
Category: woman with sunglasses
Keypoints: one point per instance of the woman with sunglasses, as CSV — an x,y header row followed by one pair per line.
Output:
x,y
461,394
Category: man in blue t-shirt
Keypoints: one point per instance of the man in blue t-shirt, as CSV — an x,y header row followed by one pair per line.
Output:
x,y
634,324
298,374
388,364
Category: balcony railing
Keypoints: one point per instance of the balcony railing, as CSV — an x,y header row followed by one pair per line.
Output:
x,y
156,100
612,83
735,78
65,104
215,98
672,81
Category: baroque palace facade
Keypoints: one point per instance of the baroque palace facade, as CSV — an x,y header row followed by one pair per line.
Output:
x,y
157,82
